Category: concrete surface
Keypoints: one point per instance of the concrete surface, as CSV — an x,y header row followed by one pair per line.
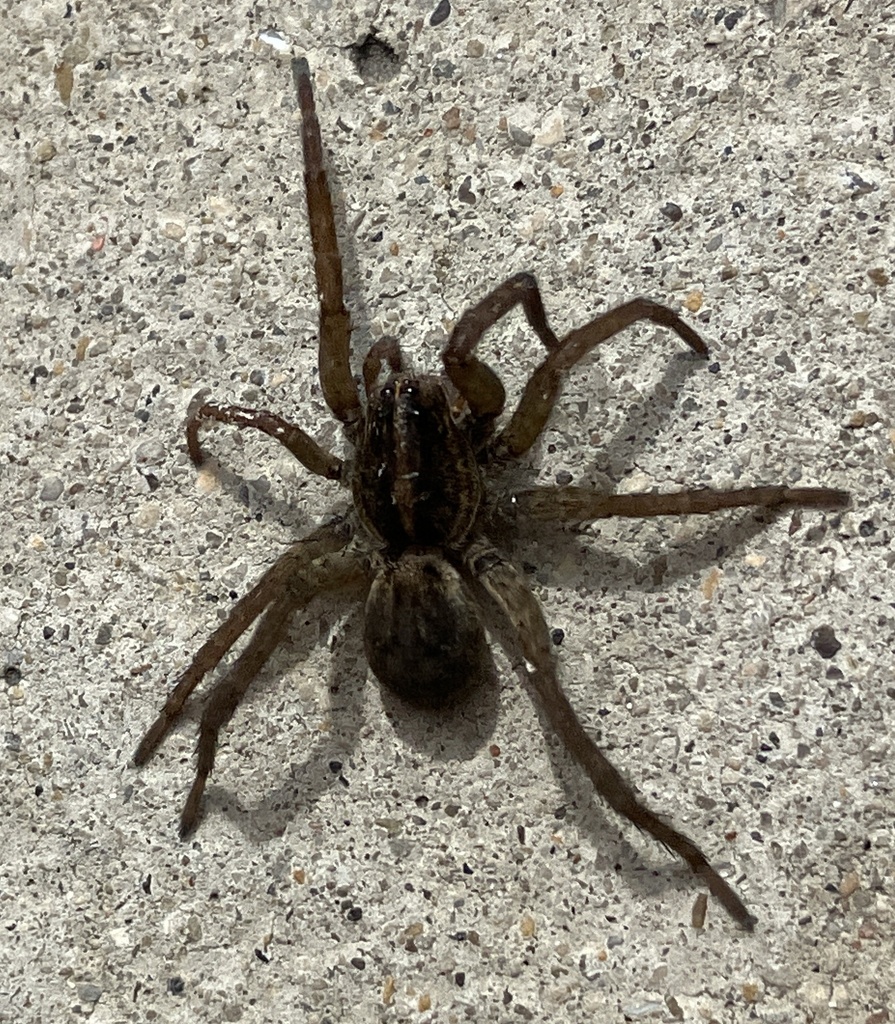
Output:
x,y
358,862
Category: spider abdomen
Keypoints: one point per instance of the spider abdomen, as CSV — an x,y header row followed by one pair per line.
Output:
x,y
422,634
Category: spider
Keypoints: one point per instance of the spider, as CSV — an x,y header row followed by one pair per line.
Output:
x,y
419,552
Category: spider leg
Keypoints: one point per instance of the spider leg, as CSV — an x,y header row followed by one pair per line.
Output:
x,y
583,504
475,380
504,584
310,454
335,572
339,388
327,539
225,697
542,389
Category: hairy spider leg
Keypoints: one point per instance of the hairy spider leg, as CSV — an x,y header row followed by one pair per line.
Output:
x,y
521,609
481,387
331,573
583,504
334,354
476,381
308,452
339,388
323,541
543,387
224,698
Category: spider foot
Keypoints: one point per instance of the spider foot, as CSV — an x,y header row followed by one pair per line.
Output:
x,y
189,818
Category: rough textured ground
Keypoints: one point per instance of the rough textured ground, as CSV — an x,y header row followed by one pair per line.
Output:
x,y
357,862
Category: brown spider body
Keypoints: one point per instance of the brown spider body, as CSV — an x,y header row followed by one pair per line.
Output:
x,y
423,447
418,489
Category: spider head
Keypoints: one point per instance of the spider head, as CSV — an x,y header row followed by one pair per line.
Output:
x,y
422,632
417,481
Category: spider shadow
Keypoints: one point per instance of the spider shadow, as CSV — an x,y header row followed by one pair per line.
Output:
x,y
641,868
311,777
644,420
454,732
645,872
605,570
256,503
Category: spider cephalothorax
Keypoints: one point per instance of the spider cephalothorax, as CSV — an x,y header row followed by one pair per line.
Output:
x,y
417,481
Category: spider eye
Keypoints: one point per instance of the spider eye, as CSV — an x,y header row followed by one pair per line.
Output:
x,y
385,407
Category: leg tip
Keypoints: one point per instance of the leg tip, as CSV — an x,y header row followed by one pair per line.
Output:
x,y
187,827
839,499
828,498
190,816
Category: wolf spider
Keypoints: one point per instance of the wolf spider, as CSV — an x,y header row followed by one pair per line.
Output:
x,y
427,567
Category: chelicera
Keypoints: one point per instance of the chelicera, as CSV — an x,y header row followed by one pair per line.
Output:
x,y
420,551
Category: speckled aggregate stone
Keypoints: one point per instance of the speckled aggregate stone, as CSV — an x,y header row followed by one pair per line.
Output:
x,y
359,862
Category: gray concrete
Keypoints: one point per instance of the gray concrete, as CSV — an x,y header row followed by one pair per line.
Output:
x,y
155,243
